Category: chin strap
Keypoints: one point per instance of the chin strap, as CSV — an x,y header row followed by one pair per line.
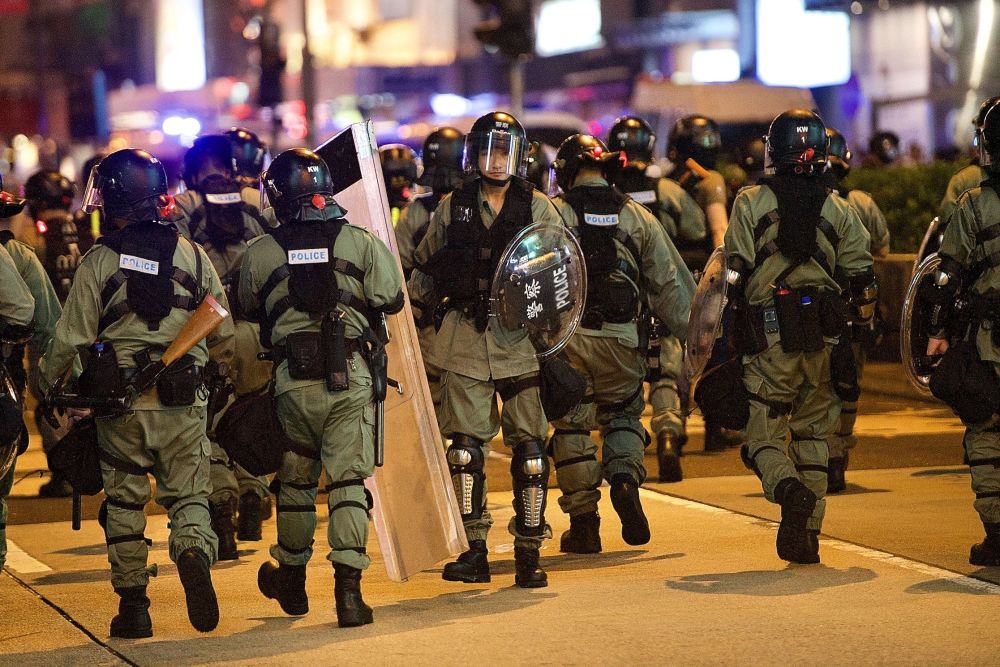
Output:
x,y
495,182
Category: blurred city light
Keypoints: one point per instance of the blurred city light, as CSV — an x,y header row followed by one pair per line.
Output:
x,y
715,65
448,104
565,26
180,45
806,49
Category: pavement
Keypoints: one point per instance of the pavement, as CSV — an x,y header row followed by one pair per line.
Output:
x,y
894,587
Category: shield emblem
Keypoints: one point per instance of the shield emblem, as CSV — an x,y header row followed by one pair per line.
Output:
x,y
705,320
540,287
913,328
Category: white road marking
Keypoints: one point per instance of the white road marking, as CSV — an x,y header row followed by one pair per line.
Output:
x,y
864,552
19,561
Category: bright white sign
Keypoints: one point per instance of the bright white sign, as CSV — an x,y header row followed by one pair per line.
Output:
x,y
715,65
801,48
565,26
180,45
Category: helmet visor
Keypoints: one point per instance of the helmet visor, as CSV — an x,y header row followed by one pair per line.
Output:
x,y
92,199
499,156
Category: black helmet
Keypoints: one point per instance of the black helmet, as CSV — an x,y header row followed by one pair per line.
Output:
x,y
537,168
9,204
47,189
498,140
296,180
885,146
129,184
839,155
213,151
796,140
752,155
578,151
634,137
696,137
442,159
989,139
249,152
977,122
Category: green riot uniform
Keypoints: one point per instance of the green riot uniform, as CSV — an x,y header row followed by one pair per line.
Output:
x,y
965,179
16,308
608,354
167,441
842,440
977,211
230,482
414,221
337,424
479,362
791,391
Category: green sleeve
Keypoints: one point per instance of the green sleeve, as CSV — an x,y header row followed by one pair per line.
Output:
x,y
77,328
712,190
854,254
410,220
249,282
422,285
47,308
16,303
383,282
739,235
669,285
960,237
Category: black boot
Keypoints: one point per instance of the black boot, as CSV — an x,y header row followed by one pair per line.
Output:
x,y
472,567
527,574
583,536
224,527
797,505
132,621
987,552
286,584
835,482
351,609
196,578
625,500
248,524
669,457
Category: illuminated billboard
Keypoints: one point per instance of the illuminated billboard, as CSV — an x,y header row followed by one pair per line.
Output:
x,y
180,45
801,48
566,26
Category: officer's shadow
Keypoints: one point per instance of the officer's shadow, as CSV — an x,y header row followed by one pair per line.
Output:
x,y
269,637
793,580
988,577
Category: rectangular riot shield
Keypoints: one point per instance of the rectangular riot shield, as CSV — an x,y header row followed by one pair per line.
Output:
x,y
416,515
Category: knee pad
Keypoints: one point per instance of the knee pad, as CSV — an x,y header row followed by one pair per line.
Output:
x,y
466,463
529,468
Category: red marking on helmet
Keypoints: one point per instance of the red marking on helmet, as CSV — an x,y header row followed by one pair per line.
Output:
x,y
623,156
166,207
807,155
41,226
6,197
597,151
319,201
406,193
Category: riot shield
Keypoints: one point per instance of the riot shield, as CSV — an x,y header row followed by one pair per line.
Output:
x,y
13,423
931,242
705,320
913,333
539,288
416,515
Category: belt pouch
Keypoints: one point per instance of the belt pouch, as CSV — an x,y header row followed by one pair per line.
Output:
x,y
305,357
809,318
786,305
178,384
334,353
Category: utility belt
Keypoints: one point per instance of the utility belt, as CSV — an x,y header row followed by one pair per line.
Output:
x,y
311,355
800,317
177,386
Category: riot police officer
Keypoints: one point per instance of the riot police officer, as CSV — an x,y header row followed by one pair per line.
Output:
x,y
629,261
399,170
968,177
214,212
790,241
469,231
969,270
442,173
863,337
133,292
50,195
318,285
250,155
684,222
537,169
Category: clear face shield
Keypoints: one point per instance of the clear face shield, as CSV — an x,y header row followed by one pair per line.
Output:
x,y
92,199
499,156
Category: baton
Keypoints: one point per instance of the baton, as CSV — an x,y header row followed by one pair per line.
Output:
x,y
77,510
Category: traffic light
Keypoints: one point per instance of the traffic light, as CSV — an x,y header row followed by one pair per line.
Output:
x,y
510,30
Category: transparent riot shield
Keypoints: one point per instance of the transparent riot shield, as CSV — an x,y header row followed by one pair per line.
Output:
x,y
705,320
416,515
12,413
913,334
539,288
931,242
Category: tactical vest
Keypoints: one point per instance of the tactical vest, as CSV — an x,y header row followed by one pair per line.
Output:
x,y
310,268
221,215
430,204
64,249
609,298
145,259
466,264
771,247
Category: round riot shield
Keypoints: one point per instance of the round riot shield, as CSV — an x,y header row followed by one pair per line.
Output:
x,y
705,320
913,330
539,287
13,424
931,242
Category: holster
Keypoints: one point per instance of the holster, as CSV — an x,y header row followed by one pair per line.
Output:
x,y
101,376
334,352
844,371
178,385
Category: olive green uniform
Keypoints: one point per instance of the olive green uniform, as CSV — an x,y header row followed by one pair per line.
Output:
x,y
17,308
964,179
871,217
414,221
169,442
229,480
978,209
610,359
683,219
339,425
476,366
800,380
